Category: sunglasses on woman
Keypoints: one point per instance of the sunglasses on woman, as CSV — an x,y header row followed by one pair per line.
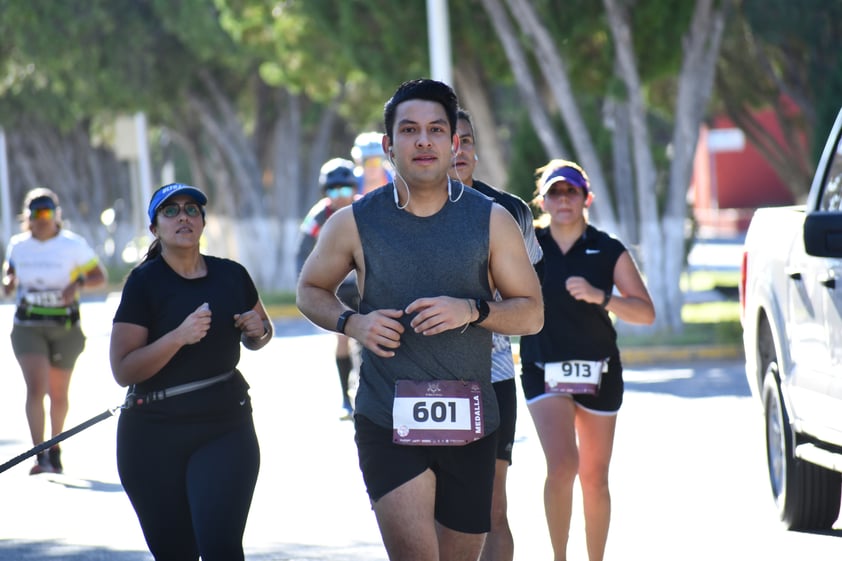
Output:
x,y
340,192
171,210
42,214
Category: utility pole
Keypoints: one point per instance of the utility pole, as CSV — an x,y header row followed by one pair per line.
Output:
x,y
131,145
5,196
438,37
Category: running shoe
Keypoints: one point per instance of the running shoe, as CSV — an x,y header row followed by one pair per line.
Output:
x,y
55,459
42,464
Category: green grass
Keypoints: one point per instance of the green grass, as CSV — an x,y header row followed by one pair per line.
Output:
x,y
712,322
711,312
709,280
278,299
720,333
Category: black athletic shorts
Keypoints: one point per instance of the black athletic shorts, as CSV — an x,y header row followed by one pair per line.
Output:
x,y
506,391
464,474
610,396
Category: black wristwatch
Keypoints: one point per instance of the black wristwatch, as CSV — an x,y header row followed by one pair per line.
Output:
x,y
482,308
343,319
606,298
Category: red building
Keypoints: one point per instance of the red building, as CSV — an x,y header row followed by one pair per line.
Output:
x,y
731,178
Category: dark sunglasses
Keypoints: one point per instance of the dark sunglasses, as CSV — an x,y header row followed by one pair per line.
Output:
x,y
171,210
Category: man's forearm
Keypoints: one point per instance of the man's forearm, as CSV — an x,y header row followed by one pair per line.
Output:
x,y
319,306
515,316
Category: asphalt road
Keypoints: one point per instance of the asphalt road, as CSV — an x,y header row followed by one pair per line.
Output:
x,y
688,475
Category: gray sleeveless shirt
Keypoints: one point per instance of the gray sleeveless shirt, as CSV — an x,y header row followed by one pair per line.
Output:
x,y
409,257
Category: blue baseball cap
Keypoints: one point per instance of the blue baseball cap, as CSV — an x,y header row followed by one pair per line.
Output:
x,y
43,201
160,196
564,173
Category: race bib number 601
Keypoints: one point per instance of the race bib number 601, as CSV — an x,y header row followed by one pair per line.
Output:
x,y
437,413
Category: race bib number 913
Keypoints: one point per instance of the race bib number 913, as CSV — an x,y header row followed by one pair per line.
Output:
x,y
574,376
437,413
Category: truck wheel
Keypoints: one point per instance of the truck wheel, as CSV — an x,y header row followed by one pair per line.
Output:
x,y
807,495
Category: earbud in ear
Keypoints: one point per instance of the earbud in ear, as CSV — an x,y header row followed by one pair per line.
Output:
x,y
476,157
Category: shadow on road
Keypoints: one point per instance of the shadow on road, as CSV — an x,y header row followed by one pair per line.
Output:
x,y
85,484
50,551
833,533
696,381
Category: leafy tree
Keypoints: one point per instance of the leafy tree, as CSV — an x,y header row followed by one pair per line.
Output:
x,y
644,84
248,97
784,55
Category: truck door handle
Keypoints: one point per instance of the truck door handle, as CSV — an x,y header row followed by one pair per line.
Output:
x,y
793,273
828,281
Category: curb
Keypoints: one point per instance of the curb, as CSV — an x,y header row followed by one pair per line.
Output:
x,y
283,311
632,356
635,356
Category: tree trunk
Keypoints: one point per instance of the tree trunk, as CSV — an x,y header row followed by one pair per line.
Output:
x,y
663,241
616,117
695,84
287,191
320,153
187,140
651,234
473,95
244,182
527,89
555,72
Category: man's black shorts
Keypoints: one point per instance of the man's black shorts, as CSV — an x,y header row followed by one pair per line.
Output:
x,y
464,474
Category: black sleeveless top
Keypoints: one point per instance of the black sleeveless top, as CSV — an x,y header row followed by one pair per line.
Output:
x,y
574,329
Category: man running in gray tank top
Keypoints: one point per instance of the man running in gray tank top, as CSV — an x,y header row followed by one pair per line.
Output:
x,y
429,256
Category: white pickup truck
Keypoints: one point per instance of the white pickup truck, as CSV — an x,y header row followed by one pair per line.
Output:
x,y
791,297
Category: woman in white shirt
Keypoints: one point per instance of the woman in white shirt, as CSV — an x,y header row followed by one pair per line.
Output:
x,y
47,266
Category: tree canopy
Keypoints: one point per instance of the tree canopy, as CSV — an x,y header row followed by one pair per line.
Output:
x,y
247,97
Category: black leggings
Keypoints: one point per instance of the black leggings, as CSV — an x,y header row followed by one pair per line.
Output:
x,y
191,484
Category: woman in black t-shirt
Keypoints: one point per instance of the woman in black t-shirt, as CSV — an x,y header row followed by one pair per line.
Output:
x,y
571,370
187,452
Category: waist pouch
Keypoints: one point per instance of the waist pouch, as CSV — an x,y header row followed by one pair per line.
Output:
x,y
67,315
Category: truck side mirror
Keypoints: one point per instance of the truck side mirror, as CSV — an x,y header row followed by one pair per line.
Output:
x,y
823,234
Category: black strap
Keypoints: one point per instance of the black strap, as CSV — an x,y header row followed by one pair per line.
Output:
x,y
58,438
134,400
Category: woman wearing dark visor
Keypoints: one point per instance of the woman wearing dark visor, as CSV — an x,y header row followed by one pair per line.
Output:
x,y
47,266
187,452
